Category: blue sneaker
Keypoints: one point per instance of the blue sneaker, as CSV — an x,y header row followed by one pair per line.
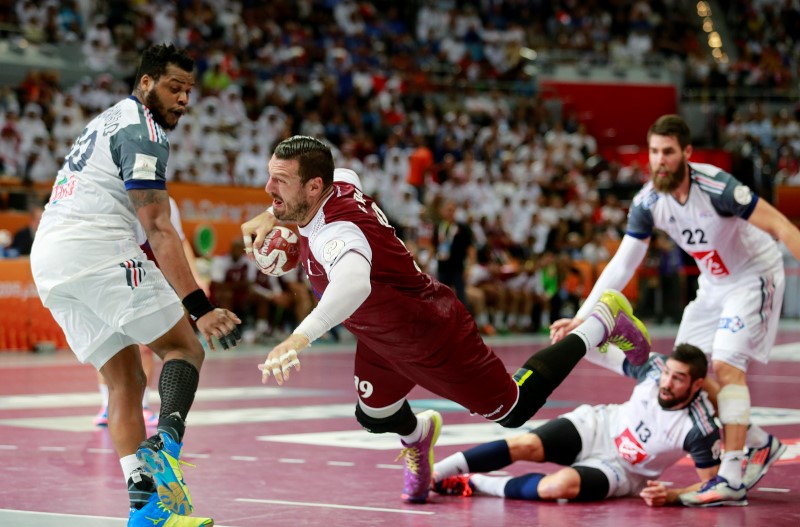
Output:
x,y
155,514
160,455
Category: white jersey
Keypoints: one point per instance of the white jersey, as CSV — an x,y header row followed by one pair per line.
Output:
x,y
89,222
711,226
649,439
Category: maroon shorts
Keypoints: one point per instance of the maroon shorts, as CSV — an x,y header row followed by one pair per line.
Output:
x,y
458,365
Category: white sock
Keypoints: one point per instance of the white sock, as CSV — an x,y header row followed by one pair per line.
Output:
x,y
731,468
450,466
129,465
104,394
491,485
592,332
414,436
757,437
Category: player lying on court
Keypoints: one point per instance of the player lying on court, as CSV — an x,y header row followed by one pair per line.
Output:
x,y
410,329
732,235
610,450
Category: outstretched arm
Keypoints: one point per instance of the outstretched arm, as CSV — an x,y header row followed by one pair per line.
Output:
x,y
771,220
348,288
616,275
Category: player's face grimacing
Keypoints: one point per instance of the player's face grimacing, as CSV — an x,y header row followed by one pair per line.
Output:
x,y
668,166
289,199
168,98
675,388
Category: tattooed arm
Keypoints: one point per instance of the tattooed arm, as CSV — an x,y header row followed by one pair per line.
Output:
x,y
153,208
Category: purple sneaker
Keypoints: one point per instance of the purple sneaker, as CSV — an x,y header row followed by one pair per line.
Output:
x,y
622,328
419,458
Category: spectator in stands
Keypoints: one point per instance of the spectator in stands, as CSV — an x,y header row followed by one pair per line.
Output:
x,y
454,248
23,238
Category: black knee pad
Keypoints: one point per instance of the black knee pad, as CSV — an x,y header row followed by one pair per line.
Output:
x,y
594,484
560,440
401,422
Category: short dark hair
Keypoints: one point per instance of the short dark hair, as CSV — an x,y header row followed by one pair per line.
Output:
x,y
314,156
693,357
672,126
156,58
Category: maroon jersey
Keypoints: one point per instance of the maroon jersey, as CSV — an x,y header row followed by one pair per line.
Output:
x,y
401,293
410,324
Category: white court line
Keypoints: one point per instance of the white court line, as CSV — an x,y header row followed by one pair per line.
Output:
x,y
770,489
244,458
195,456
383,465
53,448
15,518
290,460
334,506
340,463
8,447
100,450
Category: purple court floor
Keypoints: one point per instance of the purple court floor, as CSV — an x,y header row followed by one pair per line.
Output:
x,y
294,455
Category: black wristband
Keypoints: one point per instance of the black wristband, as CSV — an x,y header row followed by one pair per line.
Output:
x,y
197,304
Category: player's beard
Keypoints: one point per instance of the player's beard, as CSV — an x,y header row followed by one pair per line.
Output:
x,y
295,212
158,110
670,182
668,404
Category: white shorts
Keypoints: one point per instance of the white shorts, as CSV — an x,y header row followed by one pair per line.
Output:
x,y
735,323
108,310
599,451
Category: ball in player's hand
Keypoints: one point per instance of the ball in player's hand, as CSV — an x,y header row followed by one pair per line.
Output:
x,y
280,252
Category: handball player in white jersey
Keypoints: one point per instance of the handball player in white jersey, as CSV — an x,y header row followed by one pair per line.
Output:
x,y
731,233
108,297
609,450
410,329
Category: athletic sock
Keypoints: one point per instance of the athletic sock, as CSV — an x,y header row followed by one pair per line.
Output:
x,y
488,456
490,485
524,487
731,468
757,437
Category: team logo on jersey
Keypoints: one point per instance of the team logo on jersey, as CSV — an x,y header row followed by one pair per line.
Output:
x,y
711,261
732,324
313,268
63,188
742,195
332,250
629,448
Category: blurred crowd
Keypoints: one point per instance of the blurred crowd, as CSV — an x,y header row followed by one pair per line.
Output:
x,y
486,183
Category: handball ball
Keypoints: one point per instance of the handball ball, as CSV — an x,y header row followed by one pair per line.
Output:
x,y
280,252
